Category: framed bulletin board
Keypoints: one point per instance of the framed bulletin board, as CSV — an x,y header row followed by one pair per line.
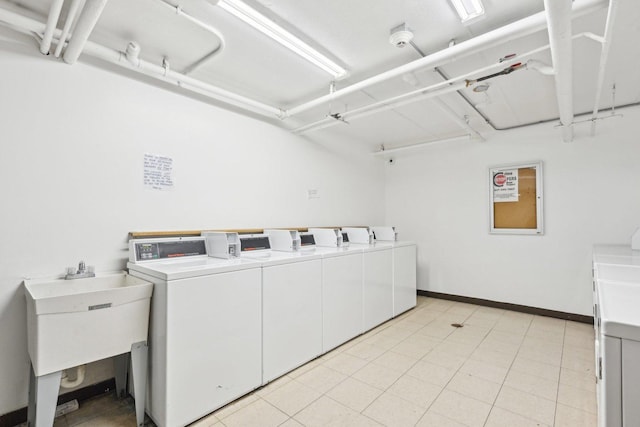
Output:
x,y
515,199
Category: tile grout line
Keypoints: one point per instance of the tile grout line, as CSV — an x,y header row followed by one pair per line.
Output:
x,y
493,405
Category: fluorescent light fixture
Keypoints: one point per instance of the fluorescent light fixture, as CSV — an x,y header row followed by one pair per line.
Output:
x,y
266,26
468,9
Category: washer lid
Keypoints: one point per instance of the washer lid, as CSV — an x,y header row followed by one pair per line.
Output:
x,y
193,267
280,257
620,316
615,254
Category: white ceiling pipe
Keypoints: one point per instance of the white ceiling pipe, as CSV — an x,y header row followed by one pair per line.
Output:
x,y
377,107
411,96
24,24
29,26
179,79
456,119
540,67
515,30
52,22
559,25
86,22
445,108
604,54
180,12
412,147
71,16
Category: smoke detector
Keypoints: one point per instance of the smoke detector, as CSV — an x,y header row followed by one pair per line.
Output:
x,y
401,35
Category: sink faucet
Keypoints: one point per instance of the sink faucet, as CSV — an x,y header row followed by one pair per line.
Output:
x,y
81,273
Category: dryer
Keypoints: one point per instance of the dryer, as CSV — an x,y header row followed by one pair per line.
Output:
x,y
205,327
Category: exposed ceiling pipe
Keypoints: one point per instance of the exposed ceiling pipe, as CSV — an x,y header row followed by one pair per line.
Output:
x,y
71,16
52,22
29,26
444,107
161,73
459,82
86,22
378,107
180,12
559,24
515,30
604,54
411,147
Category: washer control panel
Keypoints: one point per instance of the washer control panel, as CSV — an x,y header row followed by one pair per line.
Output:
x,y
159,249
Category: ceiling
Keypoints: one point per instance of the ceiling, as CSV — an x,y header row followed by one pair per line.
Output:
x,y
355,33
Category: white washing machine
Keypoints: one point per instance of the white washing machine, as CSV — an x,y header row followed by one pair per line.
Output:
x,y
342,288
616,273
619,358
404,277
404,268
205,328
377,276
291,303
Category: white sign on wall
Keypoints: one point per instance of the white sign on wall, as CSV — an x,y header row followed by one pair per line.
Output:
x,y
505,185
158,172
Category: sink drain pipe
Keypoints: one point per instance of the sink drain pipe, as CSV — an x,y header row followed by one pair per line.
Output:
x,y
65,382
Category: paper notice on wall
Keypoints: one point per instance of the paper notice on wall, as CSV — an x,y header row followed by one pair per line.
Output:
x,y
505,186
158,172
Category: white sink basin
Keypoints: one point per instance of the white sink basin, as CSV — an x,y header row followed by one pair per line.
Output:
x,y
72,322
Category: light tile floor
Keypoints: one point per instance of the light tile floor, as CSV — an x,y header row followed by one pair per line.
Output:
x,y
502,368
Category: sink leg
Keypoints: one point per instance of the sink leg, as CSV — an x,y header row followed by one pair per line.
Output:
x,y
31,408
121,366
43,399
139,353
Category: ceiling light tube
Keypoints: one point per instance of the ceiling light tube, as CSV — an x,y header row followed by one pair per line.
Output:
x,y
266,26
468,9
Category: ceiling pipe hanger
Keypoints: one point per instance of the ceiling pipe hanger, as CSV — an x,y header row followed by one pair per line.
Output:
x,y
52,22
604,54
410,147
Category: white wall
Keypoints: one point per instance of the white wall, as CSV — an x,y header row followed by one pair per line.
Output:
x,y
439,196
72,140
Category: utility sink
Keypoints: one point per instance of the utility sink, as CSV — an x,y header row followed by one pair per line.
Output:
x,y
73,322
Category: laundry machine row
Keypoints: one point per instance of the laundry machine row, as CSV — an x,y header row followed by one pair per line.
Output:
x,y
233,312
